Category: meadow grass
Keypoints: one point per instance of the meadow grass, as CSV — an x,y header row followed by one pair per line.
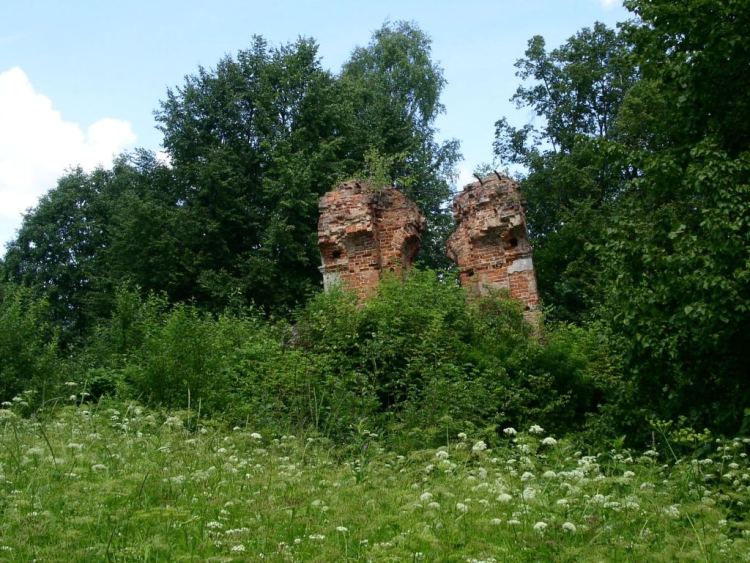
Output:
x,y
119,482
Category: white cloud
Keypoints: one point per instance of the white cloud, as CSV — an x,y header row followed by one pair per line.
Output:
x,y
37,145
609,4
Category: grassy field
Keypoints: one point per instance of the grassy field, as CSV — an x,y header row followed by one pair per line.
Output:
x,y
119,482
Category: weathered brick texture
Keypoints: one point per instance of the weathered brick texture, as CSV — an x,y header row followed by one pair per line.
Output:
x,y
490,244
363,231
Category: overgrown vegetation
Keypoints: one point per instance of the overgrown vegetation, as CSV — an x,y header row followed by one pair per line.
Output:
x,y
415,361
194,287
116,481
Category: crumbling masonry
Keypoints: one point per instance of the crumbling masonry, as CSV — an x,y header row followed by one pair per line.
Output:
x,y
490,244
363,231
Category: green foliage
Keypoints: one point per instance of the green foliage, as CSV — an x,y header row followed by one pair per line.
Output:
x,y
29,358
575,167
676,295
255,142
252,145
93,232
416,360
394,88
437,364
638,190
121,482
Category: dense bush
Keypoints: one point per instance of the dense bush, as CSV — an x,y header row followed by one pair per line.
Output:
x,y
237,366
436,363
417,359
29,357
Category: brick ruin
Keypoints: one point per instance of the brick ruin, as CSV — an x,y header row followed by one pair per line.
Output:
x,y
490,244
363,231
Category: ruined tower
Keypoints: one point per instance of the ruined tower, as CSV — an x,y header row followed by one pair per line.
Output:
x,y
490,244
363,231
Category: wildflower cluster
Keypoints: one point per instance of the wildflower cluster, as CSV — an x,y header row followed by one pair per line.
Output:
x,y
172,486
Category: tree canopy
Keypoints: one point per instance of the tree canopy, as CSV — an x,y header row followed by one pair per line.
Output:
x,y
638,196
252,144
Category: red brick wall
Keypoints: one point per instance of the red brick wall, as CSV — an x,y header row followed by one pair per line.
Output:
x,y
490,244
363,231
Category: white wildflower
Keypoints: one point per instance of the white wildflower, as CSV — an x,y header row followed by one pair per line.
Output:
x,y
462,435
214,525
509,431
527,476
480,446
672,511
442,455
461,507
239,548
569,527
425,497
342,529
549,441
536,429
540,527
434,505
513,522
549,474
317,537
256,436
504,498
98,467
495,521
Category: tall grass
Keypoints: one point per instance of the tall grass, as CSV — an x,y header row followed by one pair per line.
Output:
x,y
120,482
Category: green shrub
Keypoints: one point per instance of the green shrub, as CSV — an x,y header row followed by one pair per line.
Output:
x,y
437,363
184,356
29,356
416,360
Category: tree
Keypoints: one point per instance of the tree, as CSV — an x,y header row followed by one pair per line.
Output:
x,y
574,163
70,250
56,249
676,258
394,90
638,189
254,143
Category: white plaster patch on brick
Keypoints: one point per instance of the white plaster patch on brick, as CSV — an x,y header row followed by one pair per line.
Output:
x,y
521,265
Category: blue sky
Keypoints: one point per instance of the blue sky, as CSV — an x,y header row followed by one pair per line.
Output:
x,y
80,79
